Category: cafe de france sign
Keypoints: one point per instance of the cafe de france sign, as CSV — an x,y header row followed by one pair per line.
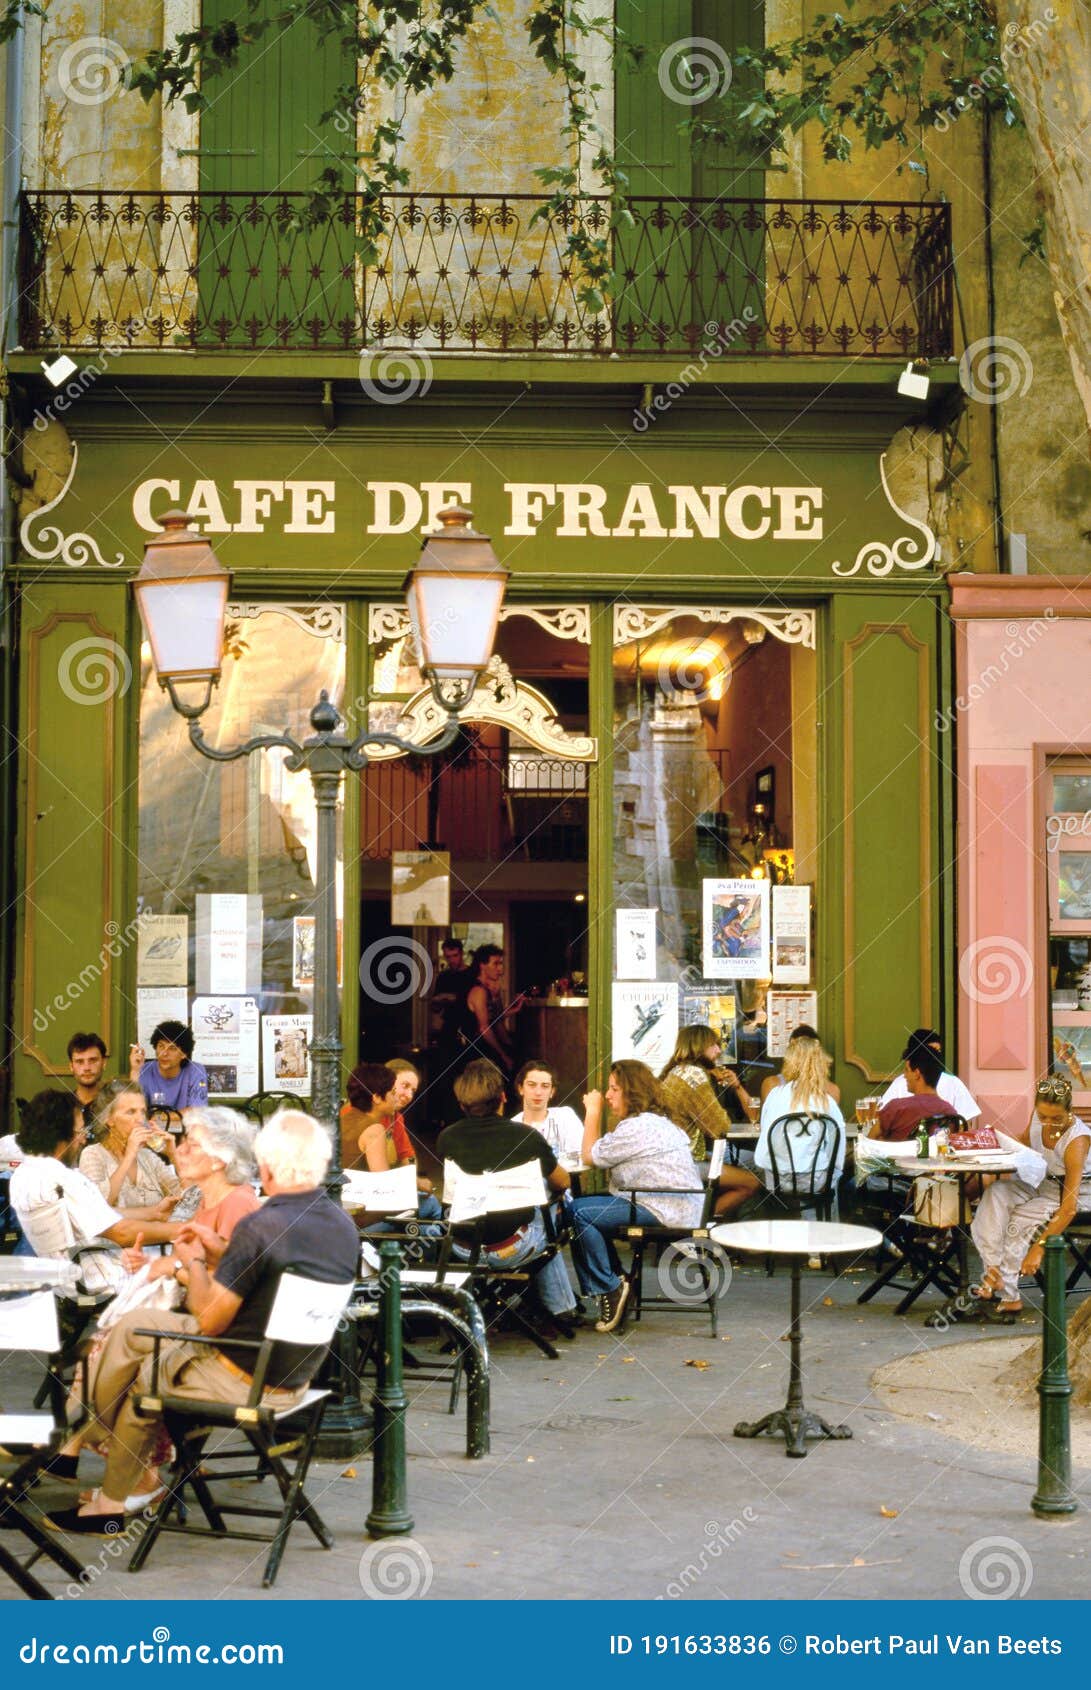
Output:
x,y
312,511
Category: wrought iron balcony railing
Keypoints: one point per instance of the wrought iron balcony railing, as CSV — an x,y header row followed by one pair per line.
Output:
x,y
475,272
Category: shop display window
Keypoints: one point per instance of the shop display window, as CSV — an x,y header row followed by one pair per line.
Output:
x,y
227,850
1068,863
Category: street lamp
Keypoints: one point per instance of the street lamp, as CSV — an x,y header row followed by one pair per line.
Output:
x,y
454,595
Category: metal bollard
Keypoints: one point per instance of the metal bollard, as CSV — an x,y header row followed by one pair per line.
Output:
x,y
389,1517
1054,1494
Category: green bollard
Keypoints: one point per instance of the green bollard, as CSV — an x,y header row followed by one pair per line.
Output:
x,y
1054,1494
389,1517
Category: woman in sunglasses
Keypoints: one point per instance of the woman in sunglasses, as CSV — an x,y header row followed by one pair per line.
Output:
x,y
1013,1219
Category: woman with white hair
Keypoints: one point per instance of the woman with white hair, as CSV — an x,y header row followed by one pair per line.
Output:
x,y
216,1154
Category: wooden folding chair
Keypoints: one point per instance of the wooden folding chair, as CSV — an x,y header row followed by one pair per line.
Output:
x,y
29,1324
690,1242
500,1292
305,1312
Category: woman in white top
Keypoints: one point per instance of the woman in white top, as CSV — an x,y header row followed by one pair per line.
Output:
x,y
560,1126
1013,1219
129,1175
644,1153
804,1089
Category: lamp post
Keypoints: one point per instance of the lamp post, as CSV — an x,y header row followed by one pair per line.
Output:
x,y
454,595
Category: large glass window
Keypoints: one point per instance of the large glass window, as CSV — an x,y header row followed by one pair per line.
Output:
x,y
1068,856
227,850
713,784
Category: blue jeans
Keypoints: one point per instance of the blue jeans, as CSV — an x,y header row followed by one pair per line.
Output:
x,y
550,1282
593,1250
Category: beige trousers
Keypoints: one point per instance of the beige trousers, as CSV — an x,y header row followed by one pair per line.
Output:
x,y
124,1372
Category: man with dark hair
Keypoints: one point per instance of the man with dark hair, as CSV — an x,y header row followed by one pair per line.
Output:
x,y
446,1012
484,1142
59,1208
170,1079
900,1118
948,1086
87,1063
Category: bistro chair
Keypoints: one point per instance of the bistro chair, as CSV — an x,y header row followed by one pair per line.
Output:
x,y
1077,1237
394,1194
29,1325
305,1312
689,1247
501,1292
265,1103
804,1153
920,1256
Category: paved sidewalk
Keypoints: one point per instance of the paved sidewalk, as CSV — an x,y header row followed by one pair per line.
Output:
x,y
614,1473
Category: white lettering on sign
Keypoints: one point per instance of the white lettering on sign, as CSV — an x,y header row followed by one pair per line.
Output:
x,y
570,510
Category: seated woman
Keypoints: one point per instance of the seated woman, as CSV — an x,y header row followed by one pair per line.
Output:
x,y
773,1080
1013,1219
559,1125
804,1089
128,1173
690,1102
373,1134
644,1152
170,1079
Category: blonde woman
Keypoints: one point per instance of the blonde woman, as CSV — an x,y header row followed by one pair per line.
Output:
x,y
685,1087
804,1089
129,1175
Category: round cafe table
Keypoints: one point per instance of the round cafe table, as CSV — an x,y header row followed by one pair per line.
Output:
x,y
796,1240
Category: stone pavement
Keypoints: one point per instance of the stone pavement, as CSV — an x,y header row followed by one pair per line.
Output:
x,y
614,1473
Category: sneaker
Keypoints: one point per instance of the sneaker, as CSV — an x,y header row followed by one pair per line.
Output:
x,y
613,1308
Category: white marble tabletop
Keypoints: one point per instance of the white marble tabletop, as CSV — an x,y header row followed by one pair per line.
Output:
x,y
796,1238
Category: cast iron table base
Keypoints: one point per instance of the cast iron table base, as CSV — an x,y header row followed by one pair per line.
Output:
x,y
794,1421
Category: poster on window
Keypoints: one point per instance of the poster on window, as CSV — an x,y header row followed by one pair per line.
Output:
x,y
735,929
303,951
791,935
286,1053
162,950
420,889
155,1004
226,1031
228,943
645,1022
634,946
785,1011
717,1010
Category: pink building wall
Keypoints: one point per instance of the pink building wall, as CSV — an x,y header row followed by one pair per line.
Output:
x,y
1022,694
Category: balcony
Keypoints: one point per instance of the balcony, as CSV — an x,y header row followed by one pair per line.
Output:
x,y
490,274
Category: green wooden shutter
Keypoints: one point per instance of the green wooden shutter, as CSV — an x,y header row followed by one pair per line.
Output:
x,y
261,136
680,271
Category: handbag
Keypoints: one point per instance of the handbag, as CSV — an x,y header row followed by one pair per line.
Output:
x,y
936,1201
977,1138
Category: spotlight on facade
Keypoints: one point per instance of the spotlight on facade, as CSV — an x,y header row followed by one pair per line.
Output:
x,y
913,383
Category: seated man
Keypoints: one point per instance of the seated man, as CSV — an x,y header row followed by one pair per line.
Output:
x,y
484,1142
59,1208
899,1119
297,1230
949,1087
87,1065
